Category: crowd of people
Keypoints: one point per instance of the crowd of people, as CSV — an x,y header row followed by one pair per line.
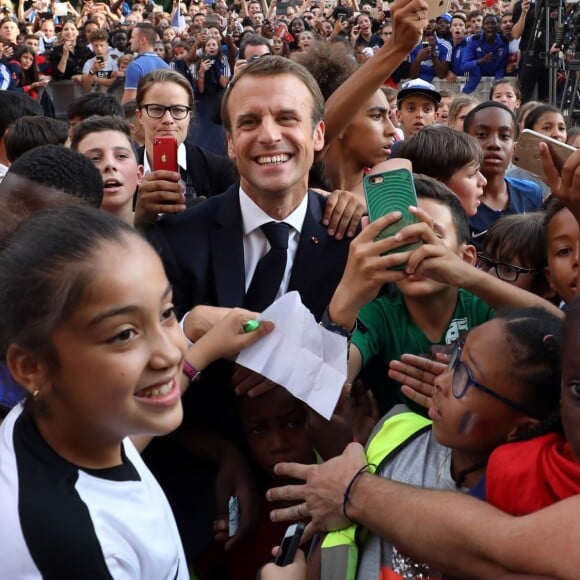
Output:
x,y
132,446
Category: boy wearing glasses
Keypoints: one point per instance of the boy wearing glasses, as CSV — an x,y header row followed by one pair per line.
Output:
x,y
438,296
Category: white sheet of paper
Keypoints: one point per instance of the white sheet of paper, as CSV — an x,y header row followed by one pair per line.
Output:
x,y
300,355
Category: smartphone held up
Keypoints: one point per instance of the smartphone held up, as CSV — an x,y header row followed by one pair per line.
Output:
x,y
392,190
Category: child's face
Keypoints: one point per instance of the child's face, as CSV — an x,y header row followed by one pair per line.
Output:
x,y
494,129
492,262
443,110
570,394
370,136
416,112
463,112
113,155
552,125
467,184
505,94
416,286
119,355
477,422
100,47
274,426
563,246
179,53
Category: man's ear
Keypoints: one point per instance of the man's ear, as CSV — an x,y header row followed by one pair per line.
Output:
x,y
468,253
27,369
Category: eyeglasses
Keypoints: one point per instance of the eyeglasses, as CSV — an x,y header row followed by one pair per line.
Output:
x,y
463,379
505,272
178,112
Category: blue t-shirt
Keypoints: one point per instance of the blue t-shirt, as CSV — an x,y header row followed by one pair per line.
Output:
x,y
427,70
524,196
145,63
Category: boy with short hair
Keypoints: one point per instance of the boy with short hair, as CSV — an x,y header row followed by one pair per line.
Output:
x,y
439,295
106,141
97,71
451,157
417,103
495,128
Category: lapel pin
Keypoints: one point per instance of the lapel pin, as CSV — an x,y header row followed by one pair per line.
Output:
x,y
314,240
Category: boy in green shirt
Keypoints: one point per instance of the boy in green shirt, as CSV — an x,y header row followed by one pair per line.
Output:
x,y
438,295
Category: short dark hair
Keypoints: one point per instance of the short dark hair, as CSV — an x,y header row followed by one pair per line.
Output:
x,y
147,31
253,40
92,104
99,34
429,188
63,169
439,151
14,105
98,125
28,132
130,109
487,105
270,65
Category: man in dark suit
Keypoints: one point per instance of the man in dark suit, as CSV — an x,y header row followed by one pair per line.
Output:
x,y
272,113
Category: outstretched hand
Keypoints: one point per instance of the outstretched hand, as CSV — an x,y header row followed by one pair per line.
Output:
x,y
321,495
417,375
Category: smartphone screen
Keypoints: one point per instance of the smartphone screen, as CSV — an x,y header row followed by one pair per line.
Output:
x,y
389,191
165,154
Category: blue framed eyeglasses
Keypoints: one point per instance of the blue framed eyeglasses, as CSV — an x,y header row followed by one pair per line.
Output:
x,y
463,379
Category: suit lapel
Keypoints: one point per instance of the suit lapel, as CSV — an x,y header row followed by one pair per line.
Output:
x,y
313,240
227,250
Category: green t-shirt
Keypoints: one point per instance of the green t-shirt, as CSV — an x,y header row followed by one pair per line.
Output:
x,y
390,332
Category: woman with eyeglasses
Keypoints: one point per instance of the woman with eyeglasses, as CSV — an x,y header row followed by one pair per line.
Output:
x,y
501,384
164,108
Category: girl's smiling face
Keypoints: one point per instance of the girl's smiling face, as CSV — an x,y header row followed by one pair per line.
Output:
x,y
117,357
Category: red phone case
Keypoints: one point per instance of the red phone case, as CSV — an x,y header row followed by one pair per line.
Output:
x,y
165,154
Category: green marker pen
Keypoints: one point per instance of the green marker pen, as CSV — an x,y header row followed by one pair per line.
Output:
x,y
251,325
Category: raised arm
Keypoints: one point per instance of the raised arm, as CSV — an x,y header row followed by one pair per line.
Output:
x,y
347,100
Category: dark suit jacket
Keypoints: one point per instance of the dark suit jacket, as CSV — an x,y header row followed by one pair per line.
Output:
x,y
202,250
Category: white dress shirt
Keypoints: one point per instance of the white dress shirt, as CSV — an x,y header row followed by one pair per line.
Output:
x,y
256,245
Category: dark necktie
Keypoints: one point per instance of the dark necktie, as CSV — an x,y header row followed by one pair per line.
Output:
x,y
270,269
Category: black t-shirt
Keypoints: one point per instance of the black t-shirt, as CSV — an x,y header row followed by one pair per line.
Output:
x,y
539,44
